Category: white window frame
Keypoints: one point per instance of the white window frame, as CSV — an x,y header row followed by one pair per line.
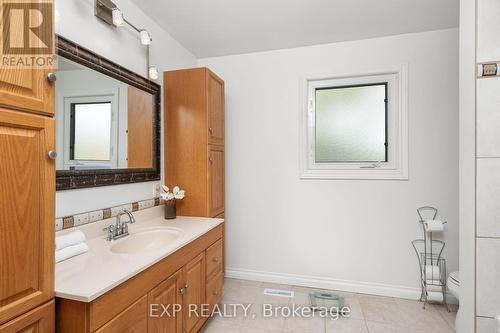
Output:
x,y
396,167
108,98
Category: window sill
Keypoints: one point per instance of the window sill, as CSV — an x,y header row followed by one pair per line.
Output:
x,y
355,174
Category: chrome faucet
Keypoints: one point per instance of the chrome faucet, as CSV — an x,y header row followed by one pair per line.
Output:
x,y
120,229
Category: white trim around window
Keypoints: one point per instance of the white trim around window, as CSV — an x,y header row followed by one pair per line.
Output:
x,y
396,167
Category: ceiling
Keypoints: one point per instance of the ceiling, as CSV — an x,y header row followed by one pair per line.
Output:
x,y
223,27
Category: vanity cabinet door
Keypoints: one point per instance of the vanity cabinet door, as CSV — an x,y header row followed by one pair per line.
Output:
x,y
165,299
215,106
215,180
133,319
194,295
27,196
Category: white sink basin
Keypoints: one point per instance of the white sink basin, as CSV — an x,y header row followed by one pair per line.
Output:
x,y
146,240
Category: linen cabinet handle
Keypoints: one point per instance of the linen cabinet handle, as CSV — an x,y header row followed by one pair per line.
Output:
x,y
52,154
51,77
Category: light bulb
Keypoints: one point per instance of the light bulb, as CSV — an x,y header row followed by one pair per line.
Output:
x,y
153,73
117,17
145,37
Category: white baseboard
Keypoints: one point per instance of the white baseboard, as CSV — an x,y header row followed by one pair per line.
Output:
x,y
328,283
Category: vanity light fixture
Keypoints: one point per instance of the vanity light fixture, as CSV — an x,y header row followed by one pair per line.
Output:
x,y
108,12
117,17
145,37
153,73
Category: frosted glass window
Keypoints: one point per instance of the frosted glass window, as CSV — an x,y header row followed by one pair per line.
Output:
x,y
351,124
91,131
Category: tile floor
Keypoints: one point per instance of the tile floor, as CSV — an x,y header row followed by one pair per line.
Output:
x,y
369,314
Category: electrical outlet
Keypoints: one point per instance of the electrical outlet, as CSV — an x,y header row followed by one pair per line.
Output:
x,y
156,190
95,216
146,204
59,224
490,69
81,219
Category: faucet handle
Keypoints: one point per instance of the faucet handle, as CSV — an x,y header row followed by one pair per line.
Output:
x,y
110,229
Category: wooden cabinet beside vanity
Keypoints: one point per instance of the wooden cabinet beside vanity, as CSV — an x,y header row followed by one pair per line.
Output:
x,y
194,139
190,277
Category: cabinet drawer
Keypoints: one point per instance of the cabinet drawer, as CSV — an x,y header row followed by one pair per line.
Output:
x,y
214,289
40,319
133,319
215,258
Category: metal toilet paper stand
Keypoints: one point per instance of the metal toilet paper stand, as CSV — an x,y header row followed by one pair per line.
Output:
x,y
431,263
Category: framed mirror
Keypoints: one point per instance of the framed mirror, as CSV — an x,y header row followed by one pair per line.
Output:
x,y
107,121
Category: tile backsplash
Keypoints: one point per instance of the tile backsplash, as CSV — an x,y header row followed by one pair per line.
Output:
x,y
76,220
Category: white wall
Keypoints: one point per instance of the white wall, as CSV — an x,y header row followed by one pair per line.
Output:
x,y
351,235
466,313
75,20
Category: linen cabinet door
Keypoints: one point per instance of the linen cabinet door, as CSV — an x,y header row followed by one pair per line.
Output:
x,y
215,105
27,88
194,294
39,320
166,296
215,180
27,194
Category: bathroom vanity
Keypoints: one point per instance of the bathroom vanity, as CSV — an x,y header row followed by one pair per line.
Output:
x,y
129,288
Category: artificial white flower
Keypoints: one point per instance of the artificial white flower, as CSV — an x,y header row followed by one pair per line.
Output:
x,y
176,193
180,194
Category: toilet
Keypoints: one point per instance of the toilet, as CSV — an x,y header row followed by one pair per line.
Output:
x,y
453,284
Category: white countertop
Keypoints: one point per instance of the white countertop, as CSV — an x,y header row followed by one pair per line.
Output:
x,y
90,275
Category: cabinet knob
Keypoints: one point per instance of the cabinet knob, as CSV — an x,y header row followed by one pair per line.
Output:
x,y
52,77
52,154
215,293
211,130
216,259
211,159
183,290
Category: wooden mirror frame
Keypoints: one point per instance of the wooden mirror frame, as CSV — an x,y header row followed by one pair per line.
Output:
x,y
76,179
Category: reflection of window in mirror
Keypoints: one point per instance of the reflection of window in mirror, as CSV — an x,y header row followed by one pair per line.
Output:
x,y
102,123
90,131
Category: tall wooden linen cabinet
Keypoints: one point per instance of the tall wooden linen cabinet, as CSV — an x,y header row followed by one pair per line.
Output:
x,y
27,200
194,140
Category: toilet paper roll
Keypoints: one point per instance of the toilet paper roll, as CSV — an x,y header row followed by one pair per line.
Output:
x,y
434,225
432,272
433,296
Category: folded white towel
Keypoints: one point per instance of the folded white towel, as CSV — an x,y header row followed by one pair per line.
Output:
x,y
434,225
71,251
73,238
432,272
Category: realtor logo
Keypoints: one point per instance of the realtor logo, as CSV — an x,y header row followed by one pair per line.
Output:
x,y
27,33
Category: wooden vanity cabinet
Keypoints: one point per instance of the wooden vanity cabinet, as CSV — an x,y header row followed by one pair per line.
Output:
x,y
145,303
194,139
